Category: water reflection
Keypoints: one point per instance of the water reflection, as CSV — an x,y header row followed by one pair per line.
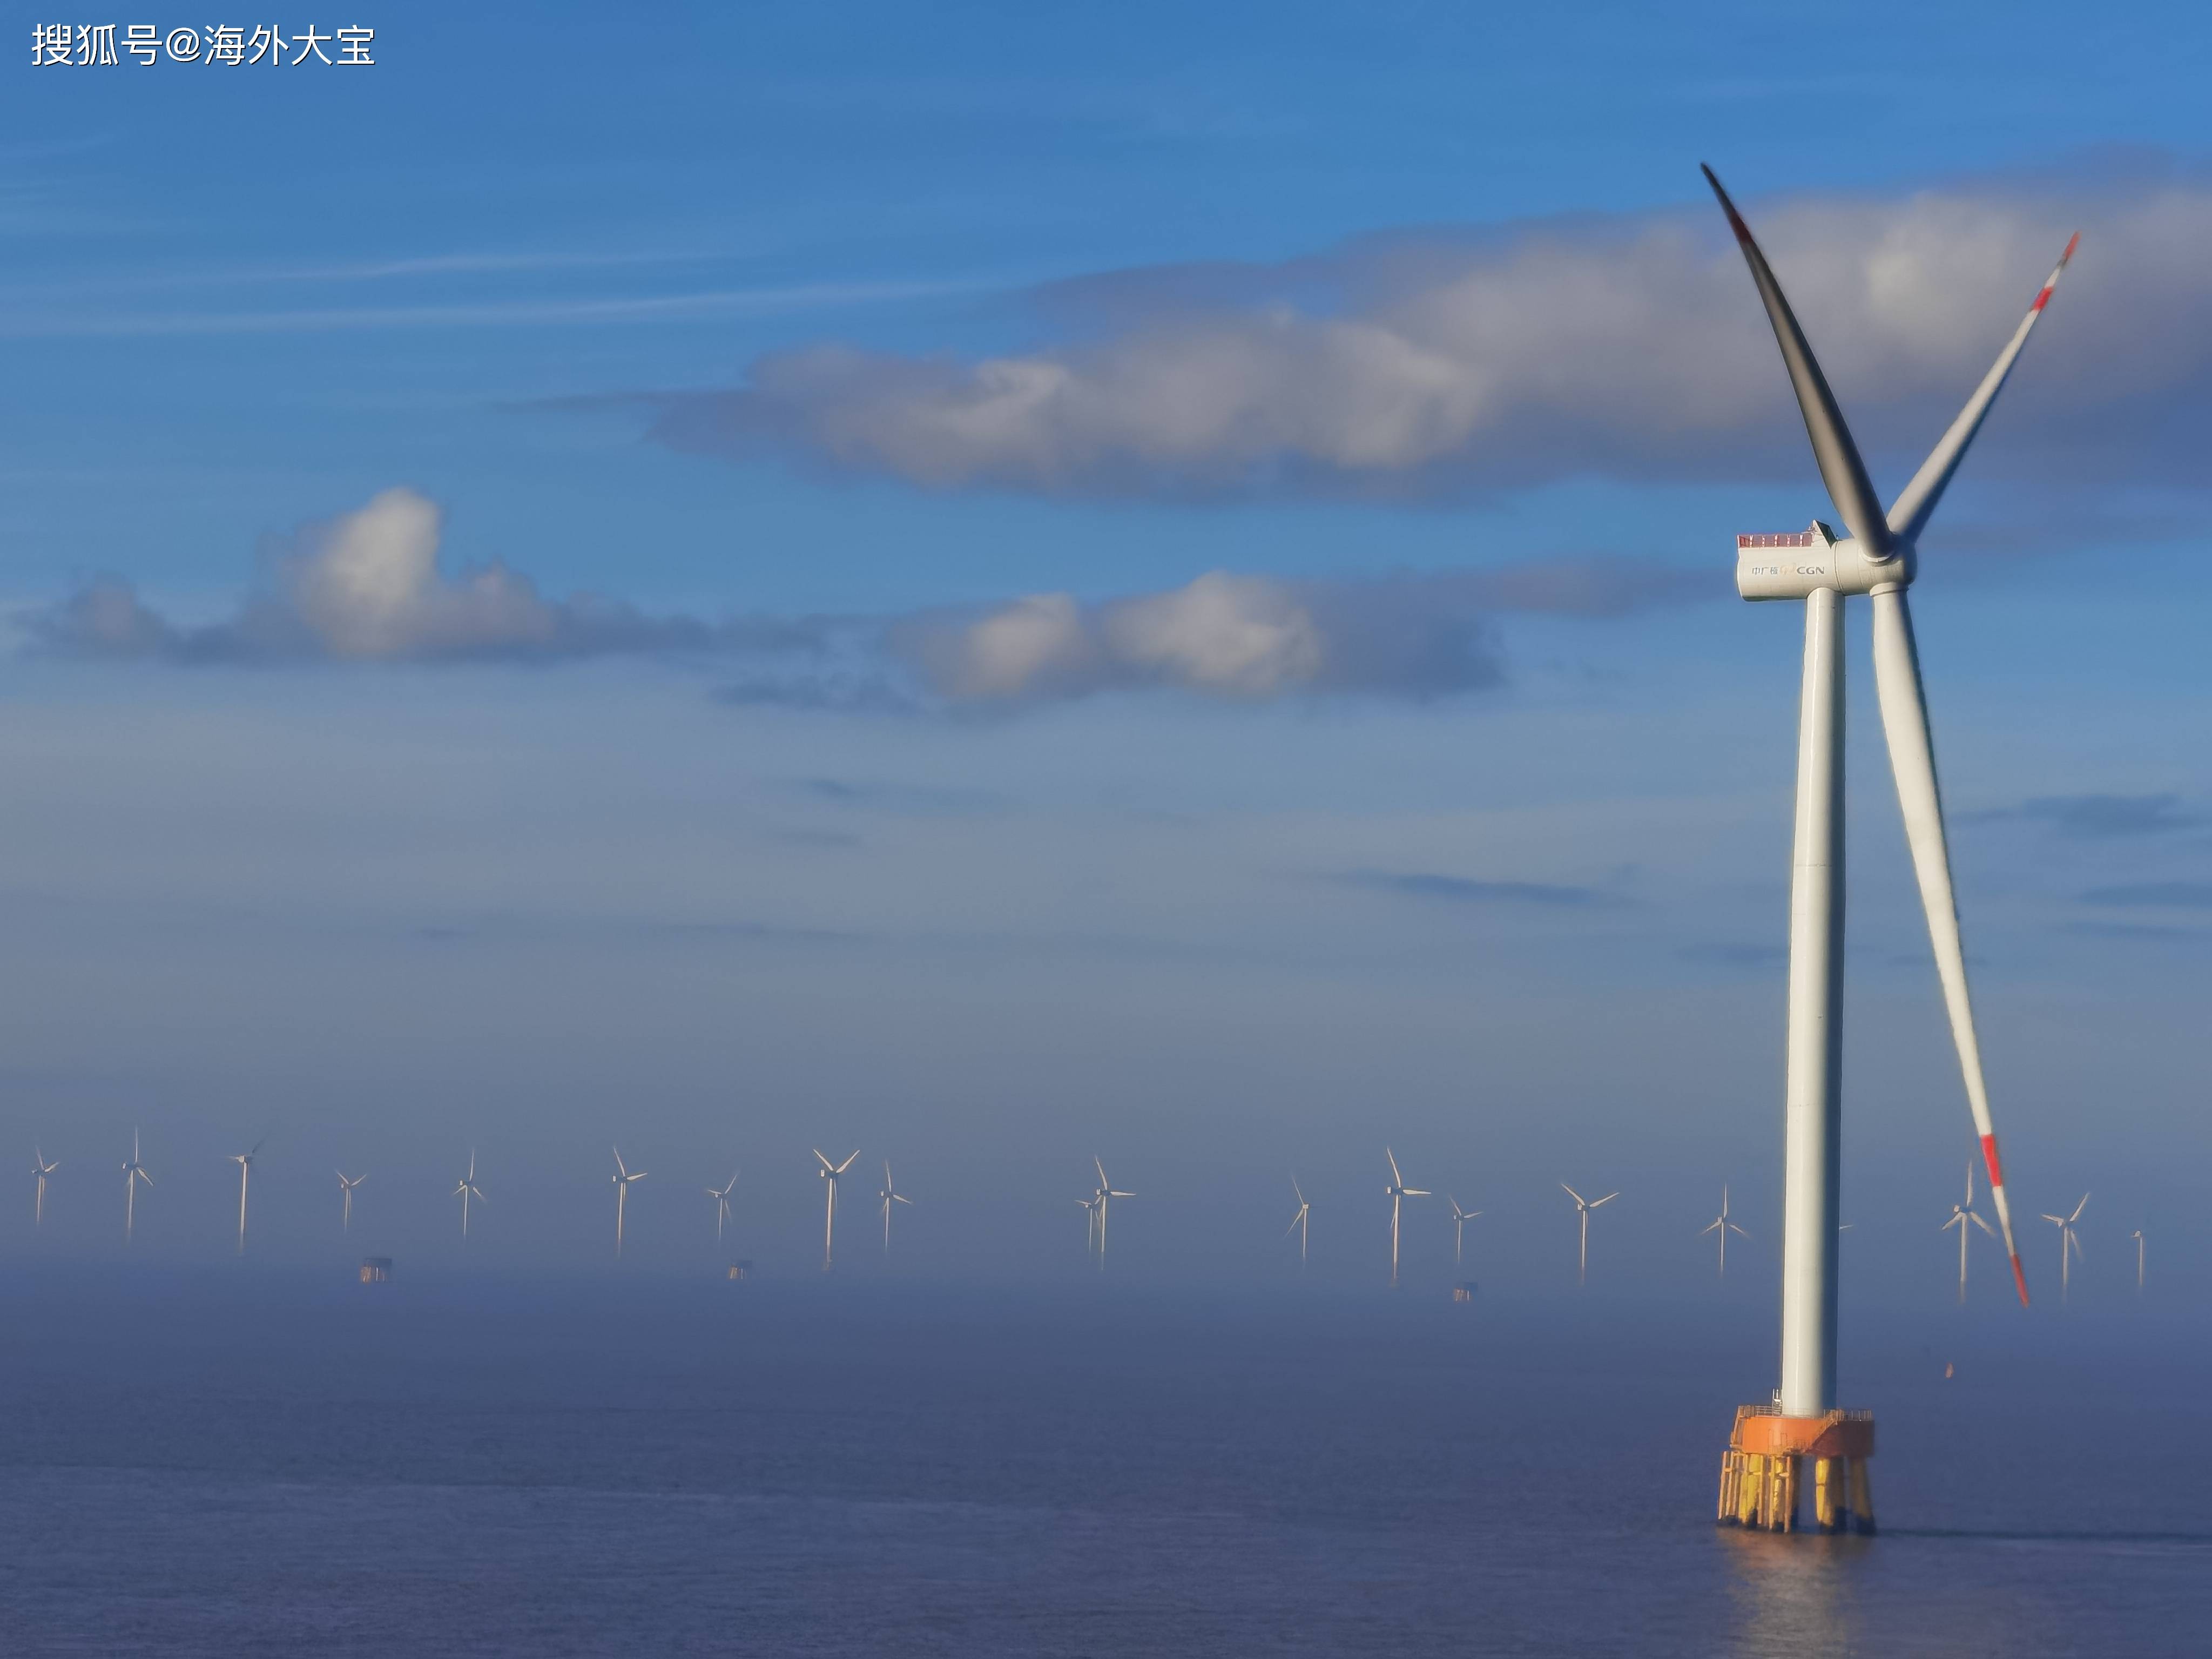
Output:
x,y
1794,1593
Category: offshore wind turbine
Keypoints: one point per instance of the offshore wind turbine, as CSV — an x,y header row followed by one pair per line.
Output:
x,y
1961,1215
2070,1242
722,1197
465,1190
1878,558
346,1184
1091,1208
2138,1237
1398,1192
1723,1226
1460,1218
1107,1192
133,1173
1299,1221
1583,1208
830,1174
889,1196
38,1202
245,1162
623,1176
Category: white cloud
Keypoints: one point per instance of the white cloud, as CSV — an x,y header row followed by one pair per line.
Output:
x,y
1632,346
368,586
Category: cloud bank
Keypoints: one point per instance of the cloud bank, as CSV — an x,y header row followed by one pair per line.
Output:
x,y
368,586
1631,347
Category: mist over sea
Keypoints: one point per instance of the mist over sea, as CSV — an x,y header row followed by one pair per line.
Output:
x,y
259,1461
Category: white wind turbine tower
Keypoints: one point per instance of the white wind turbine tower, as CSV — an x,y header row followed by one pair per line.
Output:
x,y
1398,1192
830,1174
1723,1226
133,1173
245,1162
889,1196
1106,1193
1091,1208
2070,1242
45,1169
722,1197
1583,1208
2138,1237
1879,559
1299,1221
346,1184
1961,1215
1460,1218
623,1176
465,1190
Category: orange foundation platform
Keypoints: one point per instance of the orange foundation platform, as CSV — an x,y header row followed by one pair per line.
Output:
x,y
1764,1468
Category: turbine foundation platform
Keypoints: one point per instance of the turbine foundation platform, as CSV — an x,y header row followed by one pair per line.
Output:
x,y
1771,1457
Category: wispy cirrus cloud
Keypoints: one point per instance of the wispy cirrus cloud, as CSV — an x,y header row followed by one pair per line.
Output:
x,y
1467,890
369,587
1435,363
2101,817
2154,895
682,307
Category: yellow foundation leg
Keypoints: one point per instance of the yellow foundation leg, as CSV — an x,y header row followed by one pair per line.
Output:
x,y
1827,1494
1861,1496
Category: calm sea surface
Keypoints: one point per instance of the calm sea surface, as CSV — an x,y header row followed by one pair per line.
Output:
x,y
229,1464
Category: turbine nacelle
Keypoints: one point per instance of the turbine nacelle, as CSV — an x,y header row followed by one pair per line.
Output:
x,y
1795,563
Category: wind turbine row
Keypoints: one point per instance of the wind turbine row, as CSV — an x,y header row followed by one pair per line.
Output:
x,y
1096,1207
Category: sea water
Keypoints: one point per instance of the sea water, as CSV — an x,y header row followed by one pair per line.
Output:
x,y
230,1463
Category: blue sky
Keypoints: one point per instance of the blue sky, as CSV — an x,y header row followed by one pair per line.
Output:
x,y
1154,582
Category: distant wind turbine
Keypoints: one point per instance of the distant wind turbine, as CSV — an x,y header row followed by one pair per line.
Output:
x,y
830,1174
133,1173
1398,1192
1299,1221
1460,1218
722,1197
2070,1242
346,1184
245,1162
1090,1206
2138,1237
465,1190
1961,1215
1102,1197
1723,1226
623,1176
889,1196
1583,1208
39,1211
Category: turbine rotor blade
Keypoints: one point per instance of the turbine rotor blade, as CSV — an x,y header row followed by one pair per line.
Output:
x,y
1912,760
1841,469
1912,509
